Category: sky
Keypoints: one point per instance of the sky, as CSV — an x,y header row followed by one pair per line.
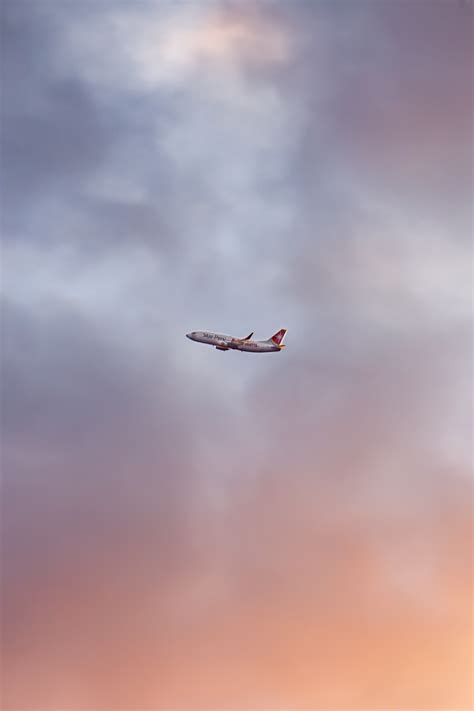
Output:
x,y
190,530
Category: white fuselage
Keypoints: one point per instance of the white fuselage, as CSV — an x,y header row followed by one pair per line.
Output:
x,y
224,343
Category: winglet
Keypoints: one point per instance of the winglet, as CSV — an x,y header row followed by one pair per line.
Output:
x,y
247,338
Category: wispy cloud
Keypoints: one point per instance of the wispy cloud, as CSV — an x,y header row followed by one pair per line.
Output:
x,y
189,529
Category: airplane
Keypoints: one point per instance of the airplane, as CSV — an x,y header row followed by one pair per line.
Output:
x,y
225,343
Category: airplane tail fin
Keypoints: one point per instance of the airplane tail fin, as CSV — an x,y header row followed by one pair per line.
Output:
x,y
278,337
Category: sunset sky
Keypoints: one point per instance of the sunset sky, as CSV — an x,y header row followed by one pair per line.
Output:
x,y
190,530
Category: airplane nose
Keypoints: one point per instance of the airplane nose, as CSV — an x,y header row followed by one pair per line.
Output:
x,y
189,335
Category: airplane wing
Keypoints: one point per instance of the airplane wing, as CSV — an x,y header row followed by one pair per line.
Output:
x,y
247,338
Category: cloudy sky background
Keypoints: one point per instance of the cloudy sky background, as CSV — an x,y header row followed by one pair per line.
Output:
x,y
187,529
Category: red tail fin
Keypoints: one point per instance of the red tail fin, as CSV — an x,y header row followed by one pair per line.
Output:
x,y
278,336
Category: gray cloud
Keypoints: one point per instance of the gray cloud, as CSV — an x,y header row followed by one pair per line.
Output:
x,y
174,508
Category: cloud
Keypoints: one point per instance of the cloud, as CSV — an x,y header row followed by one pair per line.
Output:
x,y
190,529
167,45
